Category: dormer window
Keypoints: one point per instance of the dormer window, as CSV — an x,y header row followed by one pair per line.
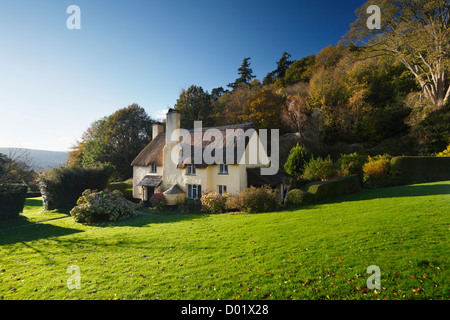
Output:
x,y
154,168
190,169
223,168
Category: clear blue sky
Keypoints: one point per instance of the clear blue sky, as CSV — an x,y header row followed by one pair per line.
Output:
x,y
54,82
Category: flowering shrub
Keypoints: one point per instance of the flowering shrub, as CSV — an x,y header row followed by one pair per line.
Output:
x,y
214,202
158,201
253,200
102,206
234,202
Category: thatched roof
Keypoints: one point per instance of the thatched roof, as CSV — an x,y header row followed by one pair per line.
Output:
x,y
256,179
153,152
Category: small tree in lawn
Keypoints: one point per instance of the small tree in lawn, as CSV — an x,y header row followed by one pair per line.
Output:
x,y
296,161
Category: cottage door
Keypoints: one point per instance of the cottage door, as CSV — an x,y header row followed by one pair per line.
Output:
x,y
150,192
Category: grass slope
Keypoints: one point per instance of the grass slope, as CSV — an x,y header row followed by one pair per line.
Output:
x,y
317,252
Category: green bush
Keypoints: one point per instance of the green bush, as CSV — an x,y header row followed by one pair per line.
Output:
x,y
319,169
61,187
433,133
296,161
324,190
214,202
125,187
190,206
12,200
297,198
254,200
102,206
407,170
377,171
353,163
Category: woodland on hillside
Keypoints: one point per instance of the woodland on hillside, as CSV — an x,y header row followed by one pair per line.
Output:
x,y
377,91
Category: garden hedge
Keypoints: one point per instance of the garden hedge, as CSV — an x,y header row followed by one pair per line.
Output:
x,y
12,200
124,187
324,190
62,187
420,169
297,198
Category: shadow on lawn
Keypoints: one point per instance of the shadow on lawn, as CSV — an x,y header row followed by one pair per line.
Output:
x,y
142,220
33,231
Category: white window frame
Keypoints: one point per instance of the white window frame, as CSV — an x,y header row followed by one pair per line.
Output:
x,y
223,168
154,168
222,189
194,191
190,169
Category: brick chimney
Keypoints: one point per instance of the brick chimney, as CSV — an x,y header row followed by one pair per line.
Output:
x,y
157,128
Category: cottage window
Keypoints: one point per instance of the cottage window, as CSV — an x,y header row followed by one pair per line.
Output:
x,y
154,169
222,189
223,168
190,169
194,191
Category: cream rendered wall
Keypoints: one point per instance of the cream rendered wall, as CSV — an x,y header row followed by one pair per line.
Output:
x,y
232,180
138,175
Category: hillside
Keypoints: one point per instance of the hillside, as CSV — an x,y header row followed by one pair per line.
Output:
x,y
42,159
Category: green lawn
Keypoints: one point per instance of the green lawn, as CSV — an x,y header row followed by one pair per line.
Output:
x,y
317,252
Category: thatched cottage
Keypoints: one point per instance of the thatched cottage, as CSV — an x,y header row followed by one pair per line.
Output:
x,y
156,169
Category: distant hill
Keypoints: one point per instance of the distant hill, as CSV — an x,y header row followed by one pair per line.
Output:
x,y
42,159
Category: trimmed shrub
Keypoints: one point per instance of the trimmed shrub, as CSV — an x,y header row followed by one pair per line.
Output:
x,y
254,200
319,169
61,187
297,198
158,201
214,202
324,190
407,170
190,206
377,171
296,161
102,206
12,200
125,187
353,163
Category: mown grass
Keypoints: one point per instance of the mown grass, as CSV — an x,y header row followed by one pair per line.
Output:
x,y
317,252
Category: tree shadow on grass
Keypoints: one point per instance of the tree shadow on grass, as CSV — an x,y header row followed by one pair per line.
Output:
x,y
142,220
33,231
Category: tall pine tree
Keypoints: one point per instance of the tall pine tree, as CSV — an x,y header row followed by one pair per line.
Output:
x,y
246,74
